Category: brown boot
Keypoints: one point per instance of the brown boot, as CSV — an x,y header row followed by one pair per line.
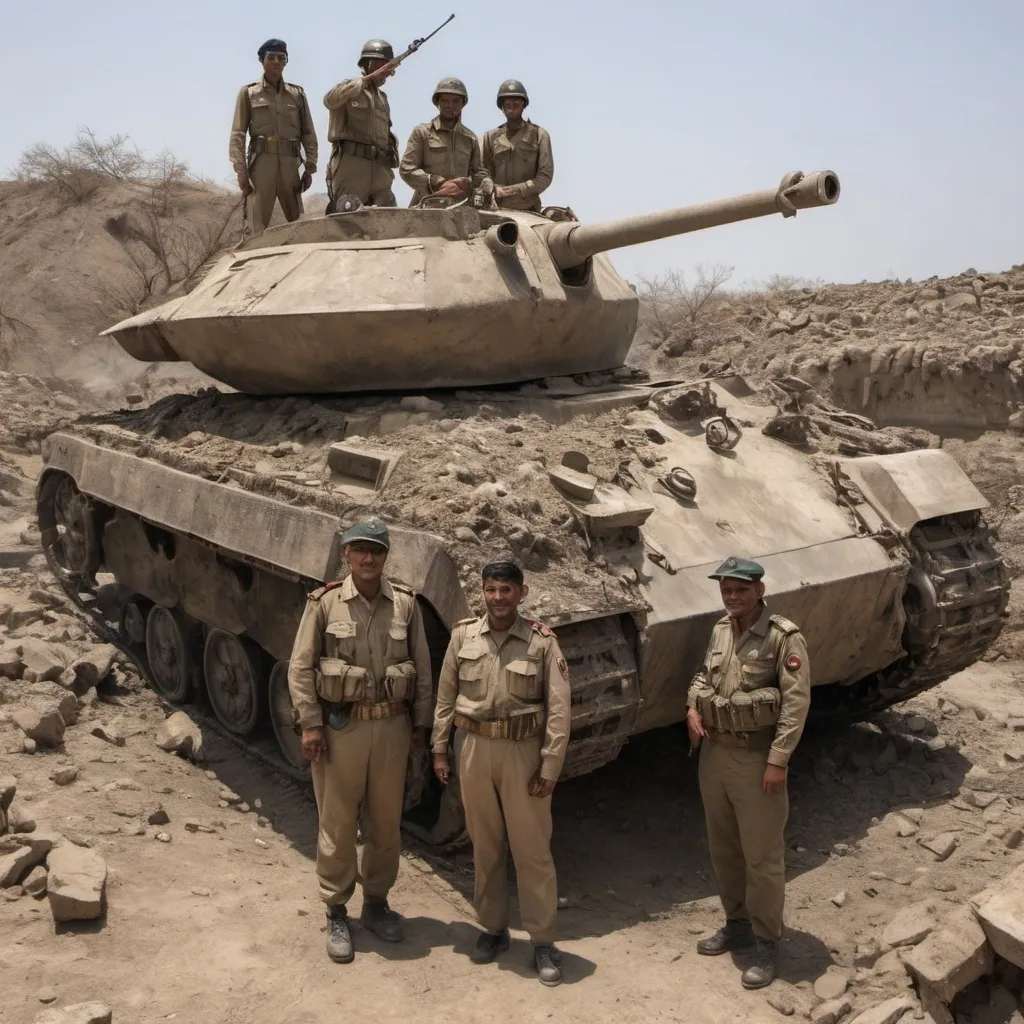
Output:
x,y
733,935
763,970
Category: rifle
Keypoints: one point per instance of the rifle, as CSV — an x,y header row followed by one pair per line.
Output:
x,y
417,43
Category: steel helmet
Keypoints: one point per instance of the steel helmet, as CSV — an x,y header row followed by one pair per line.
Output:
x,y
453,85
379,49
511,88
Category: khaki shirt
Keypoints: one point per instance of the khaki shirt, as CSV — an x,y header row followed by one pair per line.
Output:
x,y
762,656
378,639
359,113
262,109
435,153
525,674
523,160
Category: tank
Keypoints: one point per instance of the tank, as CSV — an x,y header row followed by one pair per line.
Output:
x,y
459,372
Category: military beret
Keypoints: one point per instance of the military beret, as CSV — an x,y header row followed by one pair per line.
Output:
x,y
275,45
738,569
372,530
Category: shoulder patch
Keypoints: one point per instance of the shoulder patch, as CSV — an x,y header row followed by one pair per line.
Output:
x,y
539,627
781,622
315,595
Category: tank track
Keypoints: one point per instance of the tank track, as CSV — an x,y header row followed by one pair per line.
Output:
x,y
967,587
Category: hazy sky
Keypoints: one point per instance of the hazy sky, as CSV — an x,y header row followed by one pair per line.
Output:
x,y
915,103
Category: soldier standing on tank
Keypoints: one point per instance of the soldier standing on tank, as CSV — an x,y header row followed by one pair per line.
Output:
x,y
505,685
517,154
365,150
360,665
276,116
748,703
442,157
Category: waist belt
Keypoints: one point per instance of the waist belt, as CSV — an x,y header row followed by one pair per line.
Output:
x,y
521,727
759,739
362,149
272,144
382,709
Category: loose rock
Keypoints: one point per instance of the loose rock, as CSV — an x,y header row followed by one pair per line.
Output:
x,y
110,733
941,845
831,1011
43,725
8,787
65,776
93,668
884,1013
162,837
910,925
27,852
78,1013
159,817
178,734
77,884
34,882
952,957
832,984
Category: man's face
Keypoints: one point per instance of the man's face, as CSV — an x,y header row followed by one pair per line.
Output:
x,y
273,65
450,106
366,560
513,107
374,64
740,597
502,598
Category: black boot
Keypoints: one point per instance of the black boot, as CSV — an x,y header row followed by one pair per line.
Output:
x,y
548,961
733,935
488,946
380,919
339,939
765,966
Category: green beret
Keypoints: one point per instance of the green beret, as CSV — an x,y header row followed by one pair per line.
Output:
x,y
372,531
738,569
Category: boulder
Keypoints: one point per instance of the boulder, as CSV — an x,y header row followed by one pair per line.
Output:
x,y
64,776
42,660
8,787
110,733
77,1013
178,734
910,925
1002,916
952,957
45,725
76,887
34,882
21,853
11,665
91,669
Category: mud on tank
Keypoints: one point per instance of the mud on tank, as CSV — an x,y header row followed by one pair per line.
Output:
x,y
458,372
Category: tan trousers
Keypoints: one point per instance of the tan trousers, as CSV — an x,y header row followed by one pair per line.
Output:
x,y
365,762
493,776
275,178
745,836
368,180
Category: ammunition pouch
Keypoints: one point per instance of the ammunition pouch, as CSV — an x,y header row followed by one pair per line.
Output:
x,y
399,681
338,682
743,712
273,145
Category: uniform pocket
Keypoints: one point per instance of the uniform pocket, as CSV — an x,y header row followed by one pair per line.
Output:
x,y
338,681
398,642
472,673
524,680
261,119
340,639
757,672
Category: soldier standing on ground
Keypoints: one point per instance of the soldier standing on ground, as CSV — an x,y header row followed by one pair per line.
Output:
x,y
275,114
365,150
517,154
505,685
442,157
360,665
748,703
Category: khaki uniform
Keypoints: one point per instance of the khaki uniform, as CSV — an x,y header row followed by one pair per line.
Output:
x,y
523,160
761,677
280,127
435,153
364,150
511,685
374,656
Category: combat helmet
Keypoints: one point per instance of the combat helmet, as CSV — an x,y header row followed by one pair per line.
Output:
x,y
379,49
453,85
511,88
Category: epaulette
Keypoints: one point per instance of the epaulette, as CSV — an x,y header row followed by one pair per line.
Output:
x,y
539,627
315,595
784,624
465,622
292,85
403,588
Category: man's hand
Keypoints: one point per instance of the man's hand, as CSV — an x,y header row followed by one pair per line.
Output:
x,y
313,744
441,769
694,726
454,188
244,184
504,191
774,779
382,74
540,787
307,180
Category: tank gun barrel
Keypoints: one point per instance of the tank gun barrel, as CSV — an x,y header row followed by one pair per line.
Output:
x,y
571,244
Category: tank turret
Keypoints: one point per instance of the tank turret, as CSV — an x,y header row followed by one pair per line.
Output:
x,y
396,299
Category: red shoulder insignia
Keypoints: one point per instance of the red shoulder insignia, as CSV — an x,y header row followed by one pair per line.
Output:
x,y
315,595
539,627
793,662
